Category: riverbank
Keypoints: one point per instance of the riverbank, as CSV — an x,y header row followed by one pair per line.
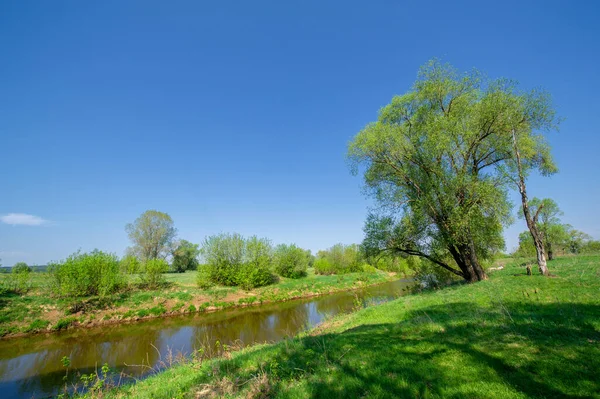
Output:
x,y
513,336
37,311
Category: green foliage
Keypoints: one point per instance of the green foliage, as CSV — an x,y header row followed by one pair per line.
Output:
x,y
323,266
64,323
152,235
250,277
185,256
291,261
340,259
437,161
256,270
389,263
19,281
561,238
232,260
130,264
21,267
85,274
590,247
223,254
152,274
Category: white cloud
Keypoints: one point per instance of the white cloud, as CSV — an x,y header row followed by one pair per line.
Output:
x,y
22,219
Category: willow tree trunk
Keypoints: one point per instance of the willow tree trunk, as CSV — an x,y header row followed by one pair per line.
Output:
x,y
531,221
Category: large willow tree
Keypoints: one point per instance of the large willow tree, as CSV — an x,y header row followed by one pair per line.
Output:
x,y
440,160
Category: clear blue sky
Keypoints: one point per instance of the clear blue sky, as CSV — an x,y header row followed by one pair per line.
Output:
x,y
235,116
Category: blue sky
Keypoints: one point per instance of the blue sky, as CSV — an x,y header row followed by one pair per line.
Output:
x,y
235,116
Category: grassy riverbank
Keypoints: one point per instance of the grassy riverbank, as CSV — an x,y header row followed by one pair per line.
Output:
x,y
39,310
513,336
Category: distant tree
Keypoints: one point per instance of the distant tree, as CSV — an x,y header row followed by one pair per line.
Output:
x,y
152,235
21,267
577,240
591,246
185,256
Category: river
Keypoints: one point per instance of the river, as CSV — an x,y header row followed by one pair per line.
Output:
x,y
31,367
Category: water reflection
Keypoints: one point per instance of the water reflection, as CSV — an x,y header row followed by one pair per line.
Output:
x,y
31,366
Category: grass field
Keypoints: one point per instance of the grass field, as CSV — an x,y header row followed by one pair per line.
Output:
x,y
513,336
39,310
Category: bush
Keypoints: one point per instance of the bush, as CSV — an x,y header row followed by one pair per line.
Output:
x,y
232,260
340,259
19,279
291,261
391,264
130,265
94,273
21,267
152,272
223,254
256,270
323,266
250,277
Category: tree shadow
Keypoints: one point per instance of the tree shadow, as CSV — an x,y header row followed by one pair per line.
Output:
x,y
451,350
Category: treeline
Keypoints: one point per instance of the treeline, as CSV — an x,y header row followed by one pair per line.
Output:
x,y
227,259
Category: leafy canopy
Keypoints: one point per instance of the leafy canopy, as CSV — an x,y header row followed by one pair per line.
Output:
x,y
439,162
152,235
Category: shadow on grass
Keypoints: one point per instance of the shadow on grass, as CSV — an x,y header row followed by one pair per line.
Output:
x,y
452,351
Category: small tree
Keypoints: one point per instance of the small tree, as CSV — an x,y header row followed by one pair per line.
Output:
x,y
291,261
224,255
185,256
152,235
21,267
130,264
20,277
153,271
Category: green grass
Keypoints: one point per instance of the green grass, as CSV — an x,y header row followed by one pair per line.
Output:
x,y
513,336
38,310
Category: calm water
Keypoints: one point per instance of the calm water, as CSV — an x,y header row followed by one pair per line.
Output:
x,y
31,367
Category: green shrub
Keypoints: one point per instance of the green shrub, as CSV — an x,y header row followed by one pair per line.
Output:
x,y
152,274
250,277
255,271
232,260
94,273
21,267
203,277
224,255
64,323
323,266
20,276
340,259
391,264
291,261
130,265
